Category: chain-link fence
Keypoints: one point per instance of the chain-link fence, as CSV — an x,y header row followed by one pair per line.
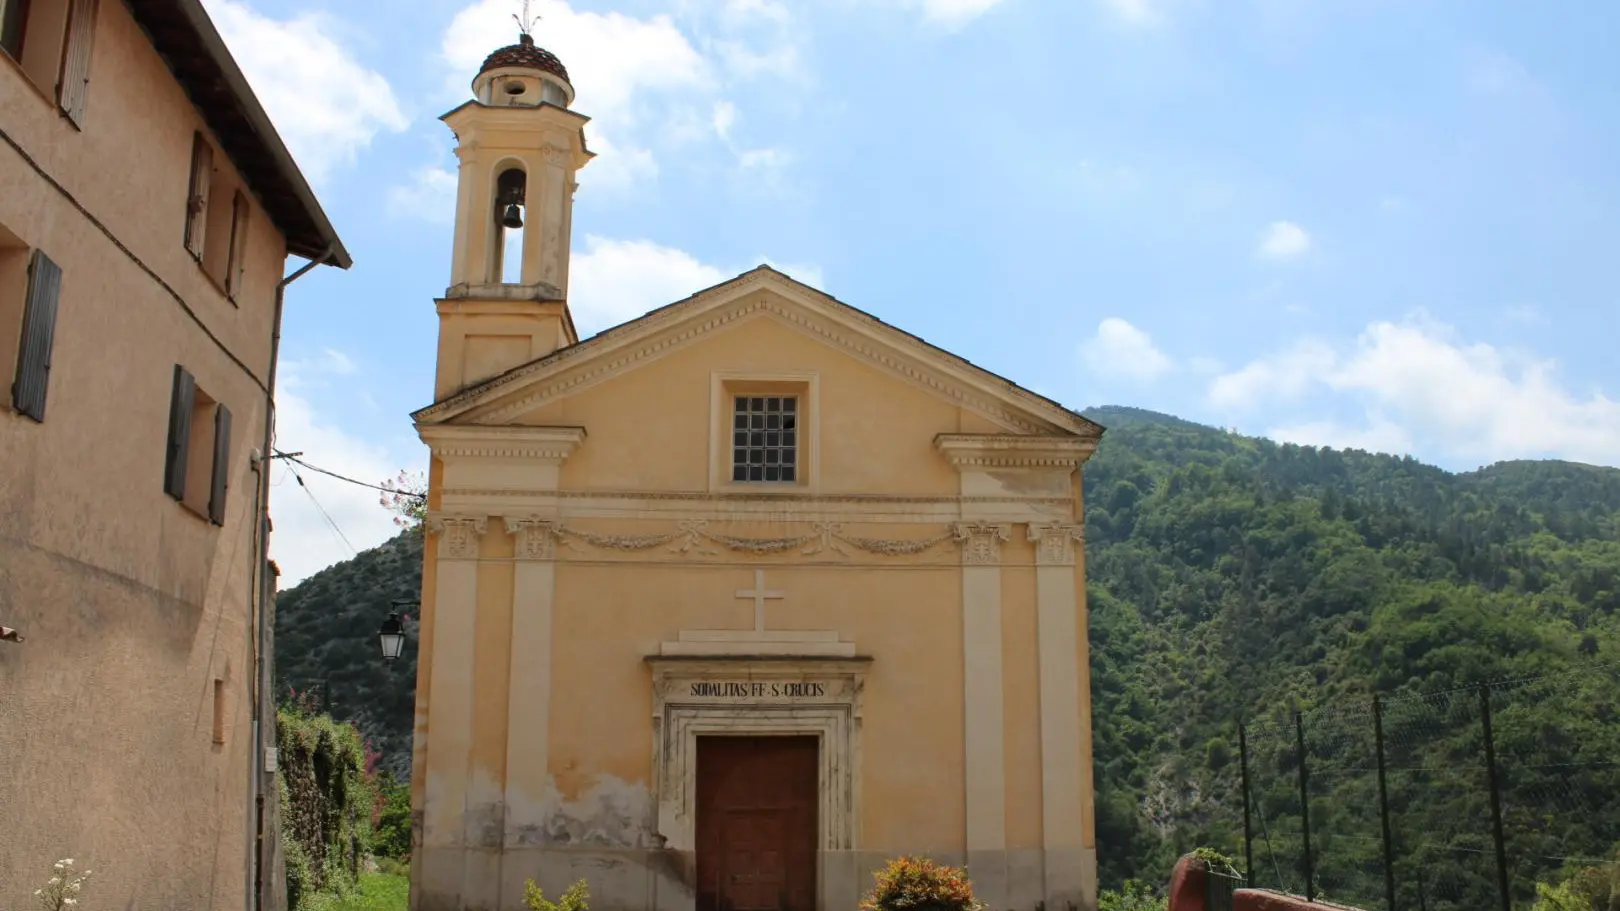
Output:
x,y
1465,800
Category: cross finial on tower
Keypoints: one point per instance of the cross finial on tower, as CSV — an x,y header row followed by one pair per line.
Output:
x,y
525,21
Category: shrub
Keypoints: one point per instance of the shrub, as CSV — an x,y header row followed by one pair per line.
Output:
x,y
1217,862
391,823
577,898
919,884
1133,895
62,890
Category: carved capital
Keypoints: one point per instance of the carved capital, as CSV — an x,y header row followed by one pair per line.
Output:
x,y
536,537
1054,542
458,535
981,542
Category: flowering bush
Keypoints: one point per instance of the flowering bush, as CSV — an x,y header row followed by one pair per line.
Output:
x,y
62,891
577,898
406,497
919,884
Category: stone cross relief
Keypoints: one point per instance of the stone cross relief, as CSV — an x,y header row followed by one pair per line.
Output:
x,y
824,643
760,594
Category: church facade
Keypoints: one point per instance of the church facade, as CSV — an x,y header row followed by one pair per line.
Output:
x,y
727,605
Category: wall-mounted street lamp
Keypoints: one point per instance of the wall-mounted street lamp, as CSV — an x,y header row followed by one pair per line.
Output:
x,y
391,636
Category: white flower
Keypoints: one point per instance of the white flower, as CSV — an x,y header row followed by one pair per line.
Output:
x,y
39,891
55,880
70,901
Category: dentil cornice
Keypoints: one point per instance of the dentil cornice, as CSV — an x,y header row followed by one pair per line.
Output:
x,y
995,450
545,445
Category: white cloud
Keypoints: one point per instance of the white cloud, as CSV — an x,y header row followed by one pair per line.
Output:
x,y
324,103
1120,349
955,13
1282,377
617,169
430,194
1284,240
618,280
614,281
783,61
303,541
1422,388
1137,12
724,120
725,114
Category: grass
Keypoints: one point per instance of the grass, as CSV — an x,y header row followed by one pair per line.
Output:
x,y
377,892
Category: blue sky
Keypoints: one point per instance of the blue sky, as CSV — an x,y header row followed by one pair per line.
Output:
x,y
1389,224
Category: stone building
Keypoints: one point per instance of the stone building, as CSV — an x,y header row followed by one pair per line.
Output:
x,y
726,605
147,210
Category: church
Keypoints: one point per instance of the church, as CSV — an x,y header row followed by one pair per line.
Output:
x,y
727,605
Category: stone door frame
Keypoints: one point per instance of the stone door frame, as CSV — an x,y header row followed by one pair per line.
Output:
x,y
833,716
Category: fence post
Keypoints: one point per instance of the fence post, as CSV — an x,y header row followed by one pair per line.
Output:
x,y
1248,831
1383,803
1305,806
1496,797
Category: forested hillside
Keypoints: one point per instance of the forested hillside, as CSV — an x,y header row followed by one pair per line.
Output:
x,y
1229,577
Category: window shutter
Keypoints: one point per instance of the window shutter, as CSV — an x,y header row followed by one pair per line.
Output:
x,y
38,333
73,89
222,464
239,227
182,399
202,172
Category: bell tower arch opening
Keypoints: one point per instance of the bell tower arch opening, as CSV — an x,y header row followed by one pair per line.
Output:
x,y
507,249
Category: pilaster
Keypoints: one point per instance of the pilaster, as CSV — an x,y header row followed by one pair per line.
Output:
x,y
455,605
1063,791
983,704
529,694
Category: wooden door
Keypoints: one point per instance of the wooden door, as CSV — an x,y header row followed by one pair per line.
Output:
x,y
756,823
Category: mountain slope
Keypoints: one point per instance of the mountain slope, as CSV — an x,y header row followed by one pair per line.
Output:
x,y
1228,577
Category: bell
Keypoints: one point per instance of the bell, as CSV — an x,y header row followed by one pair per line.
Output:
x,y
513,218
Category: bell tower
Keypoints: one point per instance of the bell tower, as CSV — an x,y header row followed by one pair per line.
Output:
x,y
520,147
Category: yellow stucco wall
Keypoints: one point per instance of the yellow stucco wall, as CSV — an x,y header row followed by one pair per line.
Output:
x,y
132,605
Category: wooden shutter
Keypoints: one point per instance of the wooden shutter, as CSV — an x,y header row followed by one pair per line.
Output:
x,y
182,398
239,227
13,16
38,334
72,89
222,464
202,173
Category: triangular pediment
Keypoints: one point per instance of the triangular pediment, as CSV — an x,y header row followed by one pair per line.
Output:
x,y
761,293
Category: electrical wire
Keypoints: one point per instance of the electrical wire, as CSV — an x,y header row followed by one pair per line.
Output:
x,y
322,510
332,474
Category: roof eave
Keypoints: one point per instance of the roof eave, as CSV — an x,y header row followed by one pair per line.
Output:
x,y
317,240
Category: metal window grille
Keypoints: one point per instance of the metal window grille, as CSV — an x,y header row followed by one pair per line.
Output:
x,y
765,438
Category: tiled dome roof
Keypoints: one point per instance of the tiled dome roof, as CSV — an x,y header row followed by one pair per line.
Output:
x,y
525,54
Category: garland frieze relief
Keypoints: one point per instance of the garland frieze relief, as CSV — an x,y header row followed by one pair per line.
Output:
x,y
541,538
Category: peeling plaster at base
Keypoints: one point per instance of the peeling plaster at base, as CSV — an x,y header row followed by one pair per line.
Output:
x,y
485,818
612,813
